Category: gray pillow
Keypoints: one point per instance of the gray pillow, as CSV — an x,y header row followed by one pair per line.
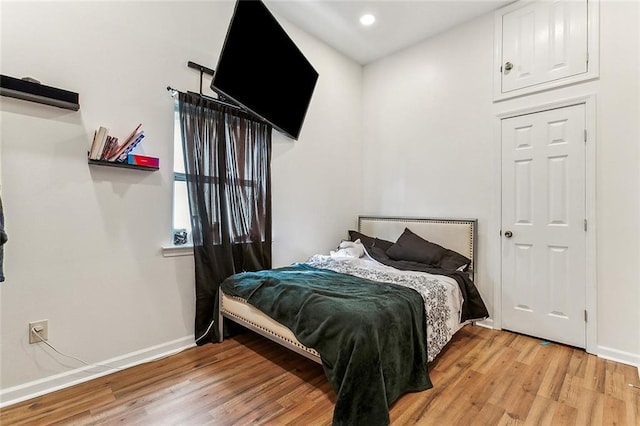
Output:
x,y
412,247
368,241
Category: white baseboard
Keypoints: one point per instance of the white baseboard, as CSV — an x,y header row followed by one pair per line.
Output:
x,y
69,378
603,352
487,323
619,356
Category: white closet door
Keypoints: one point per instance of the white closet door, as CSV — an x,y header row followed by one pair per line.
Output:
x,y
542,42
543,225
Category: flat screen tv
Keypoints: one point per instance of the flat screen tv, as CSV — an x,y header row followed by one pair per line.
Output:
x,y
261,69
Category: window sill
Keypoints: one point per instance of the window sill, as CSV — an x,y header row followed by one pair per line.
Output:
x,y
174,251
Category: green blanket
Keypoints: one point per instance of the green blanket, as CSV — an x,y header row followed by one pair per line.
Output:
x,y
371,336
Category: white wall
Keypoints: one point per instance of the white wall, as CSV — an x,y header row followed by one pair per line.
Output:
x,y
85,242
430,149
316,181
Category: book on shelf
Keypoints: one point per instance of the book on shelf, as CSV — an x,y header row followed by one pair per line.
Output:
x,y
119,150
132,135
143,160
106,148
99,140
109,146
122,151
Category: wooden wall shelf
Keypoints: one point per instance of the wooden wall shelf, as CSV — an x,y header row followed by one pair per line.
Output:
x,y
122,165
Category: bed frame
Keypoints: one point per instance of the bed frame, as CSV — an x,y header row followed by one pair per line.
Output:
x,y
456,234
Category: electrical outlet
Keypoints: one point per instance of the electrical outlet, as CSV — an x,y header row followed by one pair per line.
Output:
x,y
43,327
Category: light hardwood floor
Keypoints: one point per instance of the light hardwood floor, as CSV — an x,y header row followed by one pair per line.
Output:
x,y
483,377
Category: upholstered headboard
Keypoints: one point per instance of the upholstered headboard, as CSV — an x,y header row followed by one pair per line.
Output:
x,y
455,234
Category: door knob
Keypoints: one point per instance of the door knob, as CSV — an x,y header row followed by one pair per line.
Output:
x,y
508,66
508,234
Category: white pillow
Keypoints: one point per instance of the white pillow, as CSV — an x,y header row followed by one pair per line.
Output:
x,y
353,249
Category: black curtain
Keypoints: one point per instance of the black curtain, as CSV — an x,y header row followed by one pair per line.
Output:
x,y
227,158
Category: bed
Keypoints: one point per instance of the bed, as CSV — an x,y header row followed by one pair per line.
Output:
x,y
421,305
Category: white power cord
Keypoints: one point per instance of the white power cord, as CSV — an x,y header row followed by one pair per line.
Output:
x,y
206,331
42,339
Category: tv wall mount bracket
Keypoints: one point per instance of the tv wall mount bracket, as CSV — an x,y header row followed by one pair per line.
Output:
x,y
220,99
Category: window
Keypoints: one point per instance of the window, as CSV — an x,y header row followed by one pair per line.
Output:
x,y
244,201
181,212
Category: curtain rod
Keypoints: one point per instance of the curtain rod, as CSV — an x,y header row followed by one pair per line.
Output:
x,y
174,92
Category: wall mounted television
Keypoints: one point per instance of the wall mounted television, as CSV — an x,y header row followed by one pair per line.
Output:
x,y
261,69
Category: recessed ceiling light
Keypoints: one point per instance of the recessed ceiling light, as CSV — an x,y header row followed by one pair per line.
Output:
x,y
367,19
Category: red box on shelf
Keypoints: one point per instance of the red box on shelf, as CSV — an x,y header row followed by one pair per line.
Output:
x,y
143,160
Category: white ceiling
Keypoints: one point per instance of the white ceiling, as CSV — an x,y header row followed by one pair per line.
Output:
x,y
399,23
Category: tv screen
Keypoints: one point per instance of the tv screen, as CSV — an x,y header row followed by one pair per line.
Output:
x,y
262,69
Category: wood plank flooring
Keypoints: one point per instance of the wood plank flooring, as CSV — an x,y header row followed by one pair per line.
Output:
x,y
483,377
